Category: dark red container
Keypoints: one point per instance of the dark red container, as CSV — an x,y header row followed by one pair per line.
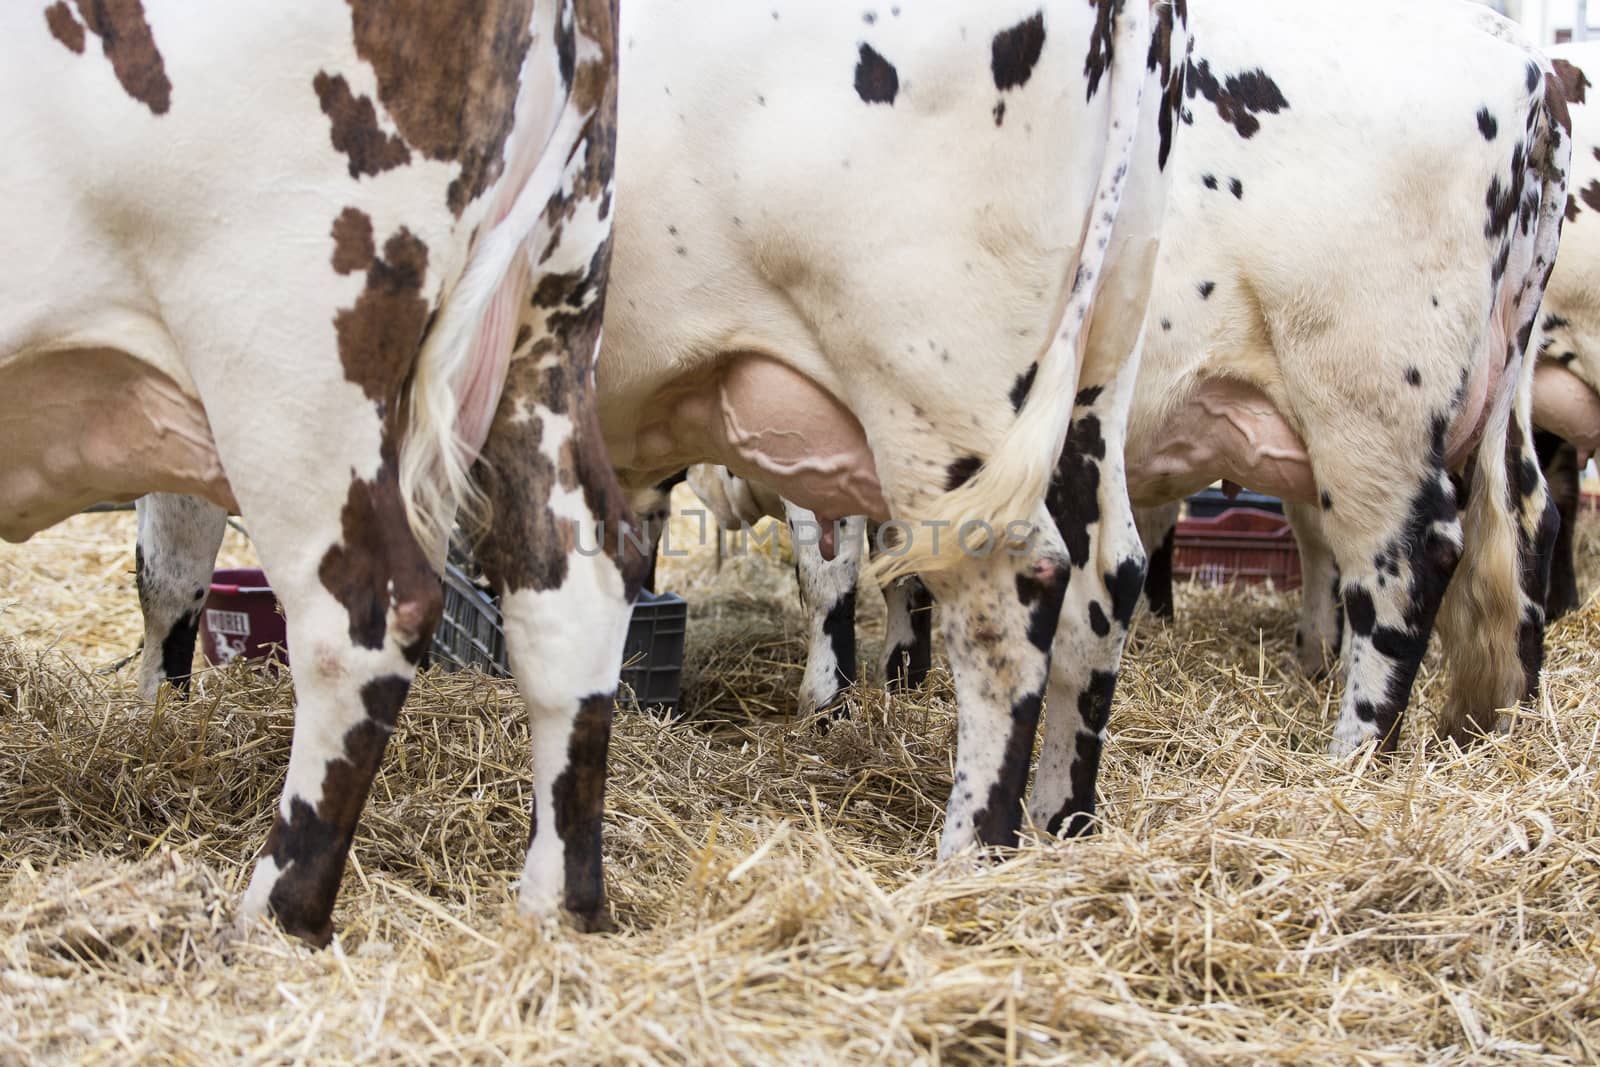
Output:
x,y
1240,545
242,619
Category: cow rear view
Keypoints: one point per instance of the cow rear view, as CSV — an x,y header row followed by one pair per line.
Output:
x,y
280,257
1348,299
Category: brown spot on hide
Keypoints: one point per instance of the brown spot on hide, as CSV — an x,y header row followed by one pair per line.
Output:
x,y
355,131
126,39
380,336
353,248
448,76
595,77
519,479
63,27
578,796
1591,195
377,563
1555,101
1574,83
528,545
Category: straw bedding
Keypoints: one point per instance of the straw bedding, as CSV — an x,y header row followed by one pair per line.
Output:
x,y
1247,900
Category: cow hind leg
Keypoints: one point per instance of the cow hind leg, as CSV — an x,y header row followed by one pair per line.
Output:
x,y
999,614
653,506
1492,623
1320,628
178,541
568,565
1395,563
1089,502
568,559
828,596
565,645
1539,525
360,614
1559,460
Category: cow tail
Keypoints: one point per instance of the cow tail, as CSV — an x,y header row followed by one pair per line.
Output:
x,y
436,457
1491,632
1010,485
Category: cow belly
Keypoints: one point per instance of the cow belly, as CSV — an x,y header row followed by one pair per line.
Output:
x,y
1564,405
767,422
86,425
1227,430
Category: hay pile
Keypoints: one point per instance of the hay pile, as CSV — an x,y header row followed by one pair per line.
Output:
x,y
775,887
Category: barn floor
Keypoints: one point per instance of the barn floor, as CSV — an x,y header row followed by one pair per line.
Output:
x,y
1248,901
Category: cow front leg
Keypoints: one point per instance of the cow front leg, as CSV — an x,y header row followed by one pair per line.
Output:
x,y
177,549
1158,532
360,614
908,634
1320,628
999,615
907,629
653,506
1559,460
828,598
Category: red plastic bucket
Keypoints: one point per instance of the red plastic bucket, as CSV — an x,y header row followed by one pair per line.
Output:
x,y
241,619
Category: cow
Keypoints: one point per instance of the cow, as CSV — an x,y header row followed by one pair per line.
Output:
x,y
827,565
880,258
1566,387
1360,351
1566,401
1351,266
338,268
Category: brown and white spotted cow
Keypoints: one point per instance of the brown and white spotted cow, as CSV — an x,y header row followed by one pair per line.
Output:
x,y
857,254
1357,350
309,261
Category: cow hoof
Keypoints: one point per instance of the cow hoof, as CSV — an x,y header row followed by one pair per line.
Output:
x,y
827,712
314,935
1314,660
597,921
1345,745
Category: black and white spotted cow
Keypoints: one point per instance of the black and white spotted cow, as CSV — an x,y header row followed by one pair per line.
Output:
x,y
857,253
1566,401
1359,351
1566,386
828,561
1358,239
308,262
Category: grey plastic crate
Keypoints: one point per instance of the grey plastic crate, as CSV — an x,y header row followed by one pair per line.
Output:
x,y
470,635
652,659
